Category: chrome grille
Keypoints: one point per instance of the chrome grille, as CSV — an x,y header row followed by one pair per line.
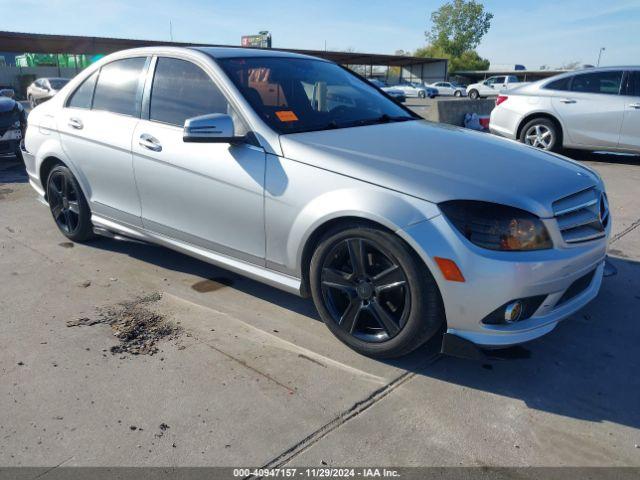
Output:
x,y
582,216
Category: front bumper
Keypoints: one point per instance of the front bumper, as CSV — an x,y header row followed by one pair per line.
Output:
x,y
10,141
494,278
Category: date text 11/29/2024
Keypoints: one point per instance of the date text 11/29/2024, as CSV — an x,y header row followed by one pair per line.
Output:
x,y
326,472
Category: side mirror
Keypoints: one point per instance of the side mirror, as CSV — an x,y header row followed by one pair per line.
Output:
x,y
212,128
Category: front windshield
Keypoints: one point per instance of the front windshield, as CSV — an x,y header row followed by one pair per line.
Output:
x,y
299,95
58,83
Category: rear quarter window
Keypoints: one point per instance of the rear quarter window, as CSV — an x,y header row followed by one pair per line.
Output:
x,y
83,95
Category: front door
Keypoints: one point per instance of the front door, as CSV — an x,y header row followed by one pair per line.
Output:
x,y
96,130
209,195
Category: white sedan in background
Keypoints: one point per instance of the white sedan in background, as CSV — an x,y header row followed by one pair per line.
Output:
x,y
412,89
449,88
595,109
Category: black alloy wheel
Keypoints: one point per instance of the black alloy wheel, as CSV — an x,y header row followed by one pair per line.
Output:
x,y
374,293
67,204
365,290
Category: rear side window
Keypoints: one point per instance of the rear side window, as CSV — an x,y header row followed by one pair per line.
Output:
x,y
513,79
633,84
117,87
598,82
83,95
562,84
182,90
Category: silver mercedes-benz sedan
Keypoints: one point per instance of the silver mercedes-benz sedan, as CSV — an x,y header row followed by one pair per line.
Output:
x,y
293,171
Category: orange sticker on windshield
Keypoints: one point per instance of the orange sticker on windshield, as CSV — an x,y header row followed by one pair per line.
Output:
x,y
286,116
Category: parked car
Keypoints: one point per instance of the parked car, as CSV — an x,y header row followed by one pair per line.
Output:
x,y
43,89
595,109
449,88
492,86
416,90
398,228
396,94
7,91
13,122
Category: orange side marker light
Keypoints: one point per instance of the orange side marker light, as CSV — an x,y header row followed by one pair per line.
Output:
x,y
449,269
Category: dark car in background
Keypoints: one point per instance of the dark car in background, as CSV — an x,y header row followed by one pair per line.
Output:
x,y
13,122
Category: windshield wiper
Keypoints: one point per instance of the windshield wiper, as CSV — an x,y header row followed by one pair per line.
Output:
x,y
384,118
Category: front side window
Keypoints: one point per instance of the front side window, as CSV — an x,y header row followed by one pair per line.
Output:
x,y
598,82
633,84
83,95
297,94
58,83
182,90
117,89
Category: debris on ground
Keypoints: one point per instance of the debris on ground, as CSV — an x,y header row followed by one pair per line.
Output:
x,y
137,327
85,284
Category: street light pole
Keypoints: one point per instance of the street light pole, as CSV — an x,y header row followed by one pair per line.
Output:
x,y
602,49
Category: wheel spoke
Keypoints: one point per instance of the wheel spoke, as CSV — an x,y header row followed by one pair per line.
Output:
x,y
383,318
56,210
357,256
65,187
74,207
333,278
392,277
350,316
67,220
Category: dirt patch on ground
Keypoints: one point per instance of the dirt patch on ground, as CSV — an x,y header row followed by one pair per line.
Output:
x,y
137,326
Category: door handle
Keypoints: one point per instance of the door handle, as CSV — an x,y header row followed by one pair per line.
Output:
x,y
150,143
635,105
568,100
75,123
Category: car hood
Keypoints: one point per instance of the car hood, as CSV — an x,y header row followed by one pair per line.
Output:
x,y
438,162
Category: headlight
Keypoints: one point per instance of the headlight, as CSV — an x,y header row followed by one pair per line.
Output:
x,y
497,227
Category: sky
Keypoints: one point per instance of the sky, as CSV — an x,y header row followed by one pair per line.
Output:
x,y
533,33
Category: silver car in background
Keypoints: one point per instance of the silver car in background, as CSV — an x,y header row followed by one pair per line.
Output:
x,y
594,109
449,89
43,89
295,172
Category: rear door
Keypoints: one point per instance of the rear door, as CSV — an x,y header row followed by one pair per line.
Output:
x,y
210,195
591,112
630,132
96,127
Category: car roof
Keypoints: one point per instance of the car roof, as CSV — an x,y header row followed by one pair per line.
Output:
x,y
235,52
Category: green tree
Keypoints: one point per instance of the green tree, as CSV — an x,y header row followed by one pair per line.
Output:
x,y
458,26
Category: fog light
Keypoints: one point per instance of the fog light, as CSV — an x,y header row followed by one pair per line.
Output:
x,y
513,311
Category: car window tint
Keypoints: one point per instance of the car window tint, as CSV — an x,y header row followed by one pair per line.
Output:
x,y
117,87
513,79
83,95
633,84
597,82
560,84
182,90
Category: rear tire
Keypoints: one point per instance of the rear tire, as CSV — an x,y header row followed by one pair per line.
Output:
x,y
32,102
457,93
68,205
542,133
385,306
422,94
474,95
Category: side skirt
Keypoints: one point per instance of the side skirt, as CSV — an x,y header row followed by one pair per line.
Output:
x,y
275,279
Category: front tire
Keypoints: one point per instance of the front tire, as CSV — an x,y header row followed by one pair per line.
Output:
x,y
474,95
374,293
422,94
457,93
542,133
68,205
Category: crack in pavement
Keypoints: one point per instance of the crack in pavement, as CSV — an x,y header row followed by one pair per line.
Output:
x,y
355,410
53,468
629,229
